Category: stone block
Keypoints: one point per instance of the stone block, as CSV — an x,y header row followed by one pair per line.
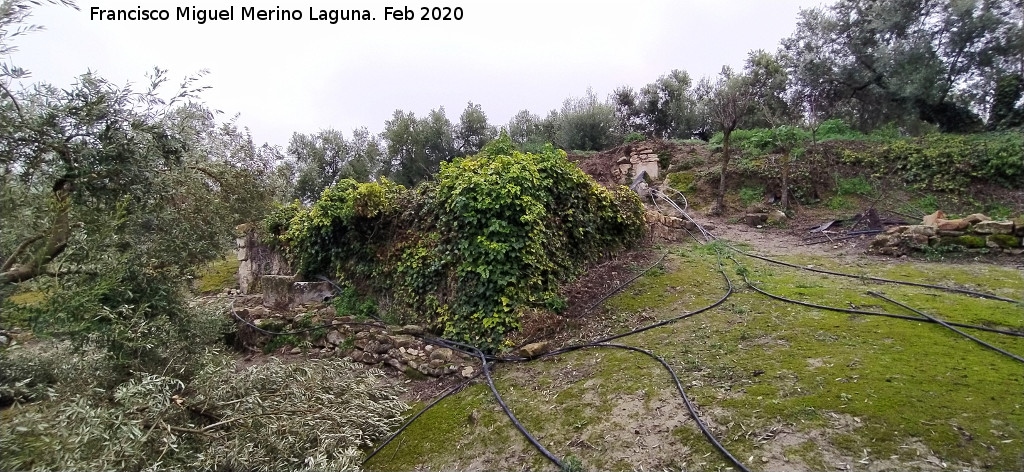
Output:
x,y
650,167
777,217
976,218
952,225
932,219
755,219
920,230
994,227
533,350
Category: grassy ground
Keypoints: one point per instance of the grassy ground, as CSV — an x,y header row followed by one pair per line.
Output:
x,y
218,275
784,387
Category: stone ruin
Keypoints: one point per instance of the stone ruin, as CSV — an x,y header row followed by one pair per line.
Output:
x,y
332,335
274,299
637,161
973,233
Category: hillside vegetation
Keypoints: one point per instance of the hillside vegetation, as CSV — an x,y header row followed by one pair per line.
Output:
x,y
120,345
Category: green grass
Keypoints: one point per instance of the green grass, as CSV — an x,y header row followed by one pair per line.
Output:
x,y
855,186
219,275
751,195
681,181
841,386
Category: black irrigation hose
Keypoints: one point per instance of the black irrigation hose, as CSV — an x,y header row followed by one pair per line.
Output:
x,y
658,324
947,325
452,391
624,284
599,343
874,313
878,279
686,400
515,421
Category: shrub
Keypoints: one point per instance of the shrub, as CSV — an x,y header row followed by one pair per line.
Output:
x,y
950,162
751,195
855,186
515,225
633,138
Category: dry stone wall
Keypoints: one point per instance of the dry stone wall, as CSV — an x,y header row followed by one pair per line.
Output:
x,y
973,232
326,334
637,161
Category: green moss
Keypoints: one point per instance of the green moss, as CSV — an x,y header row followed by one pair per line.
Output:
x,y
414,374
219,275
27,299
681,181
844,383
969,241
1004,240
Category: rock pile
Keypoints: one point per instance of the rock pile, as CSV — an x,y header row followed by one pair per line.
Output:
x,y
330,335
973,232
664,227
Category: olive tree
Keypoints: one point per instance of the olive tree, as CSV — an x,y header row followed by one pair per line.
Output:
x,y
725,102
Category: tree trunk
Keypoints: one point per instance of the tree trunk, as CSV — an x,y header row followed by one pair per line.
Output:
x,y
719,207
60,233
785,180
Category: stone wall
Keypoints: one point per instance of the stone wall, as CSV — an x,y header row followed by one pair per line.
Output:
x,y
256,260
974,232
638,160
374,345
670,227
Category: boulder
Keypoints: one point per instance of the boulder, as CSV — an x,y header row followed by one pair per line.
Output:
x,y
952,225
755,219
777,217
413,330
920,230
369,358
932,219
976,218
532,350
403,341
335,337
442,354
881,240
994,227
675,223
1003,241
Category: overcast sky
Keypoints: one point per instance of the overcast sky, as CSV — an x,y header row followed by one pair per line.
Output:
x,y
302,76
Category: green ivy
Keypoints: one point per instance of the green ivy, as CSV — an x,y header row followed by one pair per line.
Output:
x,y
516,225
495,234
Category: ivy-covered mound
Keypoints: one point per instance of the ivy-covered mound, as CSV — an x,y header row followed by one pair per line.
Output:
x,y
493,236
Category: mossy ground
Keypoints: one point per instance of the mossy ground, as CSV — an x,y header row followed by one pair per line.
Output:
x,y
783,386
218,275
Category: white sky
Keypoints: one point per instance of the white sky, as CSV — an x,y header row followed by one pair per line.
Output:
x,y
303,76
